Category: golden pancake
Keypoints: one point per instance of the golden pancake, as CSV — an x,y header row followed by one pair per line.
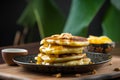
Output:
x,y
54,59
63,49
65,39
82,61
58,49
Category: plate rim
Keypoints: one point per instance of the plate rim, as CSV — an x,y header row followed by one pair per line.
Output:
x,y
33,64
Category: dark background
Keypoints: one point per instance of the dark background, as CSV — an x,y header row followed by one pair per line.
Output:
x,y
10,11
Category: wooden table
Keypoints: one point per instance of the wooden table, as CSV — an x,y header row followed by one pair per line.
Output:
x,y
17,72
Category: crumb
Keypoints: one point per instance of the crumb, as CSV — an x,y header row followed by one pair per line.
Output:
x,y
31,61
91,63
117,69
93,72
77,75
110,63
58,75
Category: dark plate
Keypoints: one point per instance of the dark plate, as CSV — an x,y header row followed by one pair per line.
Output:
x,y
28,63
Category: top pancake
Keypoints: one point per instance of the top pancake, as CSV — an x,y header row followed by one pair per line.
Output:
x,y
65,39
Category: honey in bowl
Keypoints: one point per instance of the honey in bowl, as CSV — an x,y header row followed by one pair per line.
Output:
x,y
102,44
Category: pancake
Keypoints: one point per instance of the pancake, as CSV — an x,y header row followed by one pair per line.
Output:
x,y
65,39
63,49
58,49
82,61
54,59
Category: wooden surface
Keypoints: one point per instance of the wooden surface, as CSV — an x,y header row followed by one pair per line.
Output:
x,y
16,72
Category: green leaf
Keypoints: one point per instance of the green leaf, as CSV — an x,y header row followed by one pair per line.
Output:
x,y
52,19
27,18
81,14
111,24
116,3
48,17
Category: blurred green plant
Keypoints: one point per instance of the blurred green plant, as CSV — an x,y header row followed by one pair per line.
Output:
x,y
47,16
50,20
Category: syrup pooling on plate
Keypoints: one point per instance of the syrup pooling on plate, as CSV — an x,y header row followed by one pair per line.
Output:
x,y
63,49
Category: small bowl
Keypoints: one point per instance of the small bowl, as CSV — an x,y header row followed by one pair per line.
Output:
x,y
101,48
9,53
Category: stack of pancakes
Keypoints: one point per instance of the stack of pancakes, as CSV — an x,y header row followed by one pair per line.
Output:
x,y
63,49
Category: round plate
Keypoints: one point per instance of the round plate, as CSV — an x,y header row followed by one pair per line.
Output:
x,y
28,63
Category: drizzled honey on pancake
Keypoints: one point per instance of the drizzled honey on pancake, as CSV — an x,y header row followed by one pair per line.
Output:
x,y
59,49
63,49
65,39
